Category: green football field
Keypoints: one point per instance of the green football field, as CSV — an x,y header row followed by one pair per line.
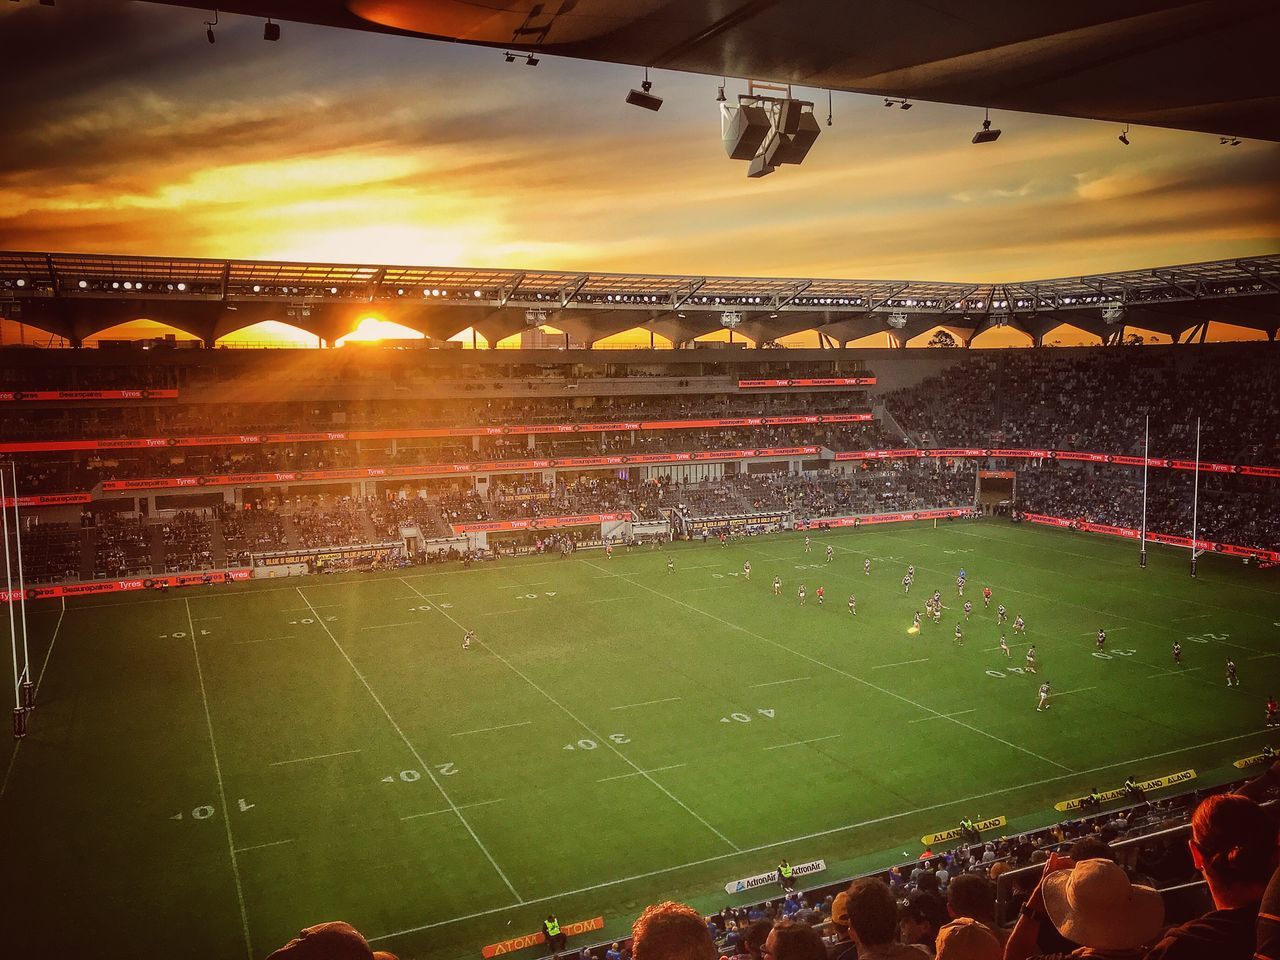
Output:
x,y
210,770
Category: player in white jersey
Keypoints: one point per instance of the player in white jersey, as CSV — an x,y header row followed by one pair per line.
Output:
x,y
808,545
1001,614
802,594
831,553
959,636
968,609
1019,625
906,583
1031,659
746,569
777,586
1232,679
866,566
671,564
911,570
915,621
853,604
1044,697
1004,646
1177,653
960,585
467,638
1102,638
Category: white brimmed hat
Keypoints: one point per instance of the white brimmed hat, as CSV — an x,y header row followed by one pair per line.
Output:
x,y
1095,905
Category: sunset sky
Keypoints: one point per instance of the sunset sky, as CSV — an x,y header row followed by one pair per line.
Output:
x,y
125,132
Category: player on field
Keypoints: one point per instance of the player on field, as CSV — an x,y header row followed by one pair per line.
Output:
x,y
808,545
937,611
960,584
1001,614
915,621
959,636
1102,638
1273,709
866,566
1044,697
1019,625
911,570
820,593
831,553
608,551
1232,679
467,638
1031,659
906,583
746,569
777,586
986,597
1004,646
1177,653
803,594
853,604
671,564
968,609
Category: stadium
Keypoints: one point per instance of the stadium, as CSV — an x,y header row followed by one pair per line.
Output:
x,y
486,608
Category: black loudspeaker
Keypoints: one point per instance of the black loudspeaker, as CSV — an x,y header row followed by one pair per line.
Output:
x,y
639,98
743,129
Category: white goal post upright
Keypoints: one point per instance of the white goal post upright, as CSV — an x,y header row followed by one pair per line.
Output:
x,y
1146,455
28,691
1195,505
19,714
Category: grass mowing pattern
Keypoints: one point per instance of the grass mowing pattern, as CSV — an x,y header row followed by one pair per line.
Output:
x,y
209,771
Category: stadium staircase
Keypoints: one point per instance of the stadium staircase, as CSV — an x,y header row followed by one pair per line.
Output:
x,y
881,413
370,532
217,544
290,532
88,551
155,533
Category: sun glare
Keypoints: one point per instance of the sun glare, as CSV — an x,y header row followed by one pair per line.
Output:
x,y
374,329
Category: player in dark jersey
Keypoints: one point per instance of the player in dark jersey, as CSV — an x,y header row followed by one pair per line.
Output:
x,y
1001,614
1102,638
959,636
820,593
1044,697
986,597
671,564
968,609
1177,653
1273,709
1232,679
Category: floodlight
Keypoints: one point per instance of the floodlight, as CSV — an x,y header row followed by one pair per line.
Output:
x,y
986,134
1124,135
530,60
209,35
643,97
270,31
509,57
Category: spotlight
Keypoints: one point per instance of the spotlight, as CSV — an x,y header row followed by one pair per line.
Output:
x,y
888,102
1124,135
181,287
209,25
209,35
530,60
509,57
720,97
906,104
21,283
643,97
986,134
83,284
271,31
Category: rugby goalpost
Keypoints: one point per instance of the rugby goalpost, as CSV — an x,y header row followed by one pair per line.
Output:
x,y
16,601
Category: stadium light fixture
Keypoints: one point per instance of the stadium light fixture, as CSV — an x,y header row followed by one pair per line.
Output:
x,y
720,97
509,57
209,25
1124,135
901,102
530,60
270,31
83,284
644,96
1229,141
986,134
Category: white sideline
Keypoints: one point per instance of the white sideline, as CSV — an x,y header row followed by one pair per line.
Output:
x,y
412,749
801,743
646,703
813,836
602,740
287,636
259,846
901,663
1067,693
461,806
222,791
382,626
636,773
321,756
774,683
944,716
505,726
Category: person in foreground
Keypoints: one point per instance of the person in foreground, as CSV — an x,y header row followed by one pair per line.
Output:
x,y
1091,903
873,922
1233,843
336,940
671,931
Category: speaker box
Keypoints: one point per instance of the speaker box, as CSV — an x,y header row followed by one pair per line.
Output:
x,y
801,141
639,98
743,129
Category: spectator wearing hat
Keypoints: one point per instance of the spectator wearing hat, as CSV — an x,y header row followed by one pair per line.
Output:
x,y
329,941
966,939
1233,844
671,931
920,919
971,897
873,922
844,948
1092,904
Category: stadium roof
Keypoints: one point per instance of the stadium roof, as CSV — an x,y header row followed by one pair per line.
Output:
x,y
77,295
1204,66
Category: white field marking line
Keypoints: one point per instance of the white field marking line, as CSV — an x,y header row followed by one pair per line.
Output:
x,y
319,756
1012,646
499,613
1067,693
287,636
1052,600
605,741
202,619
843,673
422,764
646,703
259,846
821,833
801,743
1109,632
13,757
222,791
463,806
624,776
901,663
714,586
1177,671
774,683
610,599
505,726
383,626
1194,616
1263,656
943,716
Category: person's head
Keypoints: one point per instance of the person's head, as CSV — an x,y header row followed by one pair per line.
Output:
x,y
1233,843
840,914
1090,848
873,913
671,931
966,939
1094,904
791,940
971,896
756,934
921,918
336,940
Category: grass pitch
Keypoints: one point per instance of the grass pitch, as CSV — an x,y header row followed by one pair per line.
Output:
x,y
209,771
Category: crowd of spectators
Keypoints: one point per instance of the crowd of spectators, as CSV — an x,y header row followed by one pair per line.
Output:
x,y
187,541
122,546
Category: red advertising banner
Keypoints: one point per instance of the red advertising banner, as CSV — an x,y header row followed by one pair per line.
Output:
x,y
50,500
810,382
95,587
254,439
1167,538
864,519
877,454
511,944
538,523
25,395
